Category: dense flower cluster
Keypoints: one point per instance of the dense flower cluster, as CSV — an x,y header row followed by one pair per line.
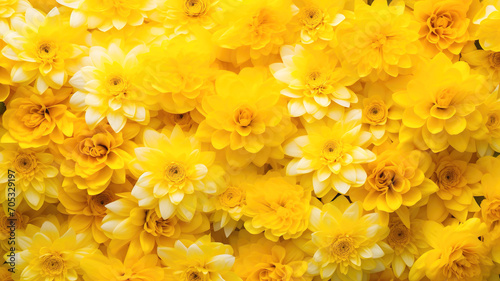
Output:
x,y
250,140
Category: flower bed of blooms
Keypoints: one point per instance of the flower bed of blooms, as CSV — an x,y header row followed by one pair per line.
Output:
x,y
268,140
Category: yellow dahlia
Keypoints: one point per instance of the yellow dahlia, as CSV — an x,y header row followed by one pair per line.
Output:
x,y
179,72
98,267
174,174
36,120
487,19
259,259
277,206
252,29
443,25
139,230
93,158
51,252
246,116
440,106
455,253
31,173
44,48
379,39
458,182
346,244
316,20
397,178
316,83
490,205
109,87
484,61
198,260
331,153
108,14
488,139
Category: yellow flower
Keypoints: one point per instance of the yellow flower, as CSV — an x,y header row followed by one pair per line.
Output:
x,y
98,267
5,274
253,28
316,20
440,106
346,244
33,177
87,211
246,114
45,48
109,87
458,182
139,230
179,72
183,120
33,121
94,158
397,178
443,25
198,260
51,252
331,154
277,206
490,206
379,39
109,14
456,253
488,18
259,259
316,83
488,139
486,62
174,174
10,7
182,15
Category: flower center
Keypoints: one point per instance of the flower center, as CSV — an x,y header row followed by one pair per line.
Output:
x,y
462,265
35,115
243,116
89,147
494,59
232,197
399,235
175,172
493,121
342,248
46,51
116,85
52,264
25,163
376,112
311,17
5,223
316,79
332,150
449,177
182,119
195,8
158,226
385,178
378,41
444,98
98,202
193,274
441,21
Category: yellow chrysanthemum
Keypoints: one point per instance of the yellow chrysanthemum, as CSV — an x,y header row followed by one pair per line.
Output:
x,y
109,87
87,211
458,182
456,253
316,20
346,244
202,260
252,29
488,19
174,174
140,230
94,158
51,252
277,206
440,106
316,83
32,175
182,15
380,39
45,48
488,140
246,116
179,72
98,267
484,61
443,25
331,154
33,121
259,259
108,14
